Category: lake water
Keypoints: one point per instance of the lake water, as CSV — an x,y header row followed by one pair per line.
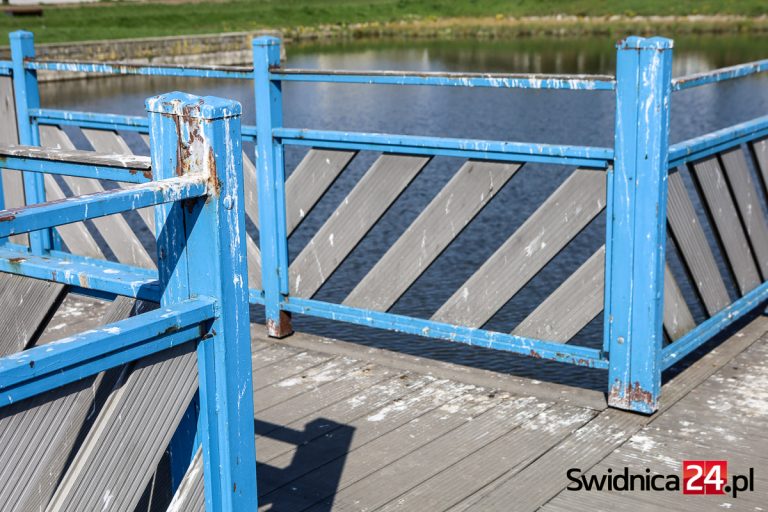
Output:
x,y
583,118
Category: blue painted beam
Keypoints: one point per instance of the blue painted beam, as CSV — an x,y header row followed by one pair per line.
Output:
x,y
81,271
75,209
715,142
120,68
82,170
201,251
27,97
539,349
713,326
719,75
99,121
90,120
40,369
6,68
492,80
273,237
584,156
636,229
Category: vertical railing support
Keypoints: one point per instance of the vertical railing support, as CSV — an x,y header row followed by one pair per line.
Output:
x,y
201,251
27,96
273,238
636,225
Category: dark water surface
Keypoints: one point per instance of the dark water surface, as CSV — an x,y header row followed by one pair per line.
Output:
x,y
582,118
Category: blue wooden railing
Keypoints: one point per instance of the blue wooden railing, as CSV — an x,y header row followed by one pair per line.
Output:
x,y
201,285
636,170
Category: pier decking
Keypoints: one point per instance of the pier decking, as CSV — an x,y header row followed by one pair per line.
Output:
x,y
345,427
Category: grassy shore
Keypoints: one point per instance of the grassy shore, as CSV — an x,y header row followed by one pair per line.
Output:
x,y
419,18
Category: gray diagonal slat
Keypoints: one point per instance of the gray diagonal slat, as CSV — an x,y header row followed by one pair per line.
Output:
x,y
47,428
12,184
546,232
571,306
745,195
720,205
760,152
304,187
677,317
694,248
107,141
312,177
452,209
114,229
26,305
77,237
381,185
123,448
252,211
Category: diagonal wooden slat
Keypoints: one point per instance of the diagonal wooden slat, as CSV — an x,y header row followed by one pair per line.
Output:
x,y
759,150
694,248
107,141
76,236
677,317
745,195
47,428
720,205
571,306
446,216
26,306
121,451
304,187
381,185
546,232
114,229
312,177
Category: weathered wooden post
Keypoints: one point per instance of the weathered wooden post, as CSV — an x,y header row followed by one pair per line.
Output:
x,y
27,97
273,238
201,252
636,223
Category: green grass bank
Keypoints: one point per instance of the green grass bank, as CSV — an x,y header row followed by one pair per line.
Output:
x,y
307,19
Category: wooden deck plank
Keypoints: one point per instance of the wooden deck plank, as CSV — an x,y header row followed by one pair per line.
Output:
x,y
546,476
720,205
696,252
472,187
514,449
252,251
271,439
393,479
379,187
575,303
114,229
76,236
543,235
313,488
701,426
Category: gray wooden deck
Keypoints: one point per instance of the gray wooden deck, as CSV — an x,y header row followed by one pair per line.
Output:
x,y
344,427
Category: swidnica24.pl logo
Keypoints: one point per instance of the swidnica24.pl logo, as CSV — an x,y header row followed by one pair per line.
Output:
x,y
699,477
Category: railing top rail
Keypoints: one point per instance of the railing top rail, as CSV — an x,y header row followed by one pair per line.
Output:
x,y
442,146
717,141
84,164
719,75
134,68
450,79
